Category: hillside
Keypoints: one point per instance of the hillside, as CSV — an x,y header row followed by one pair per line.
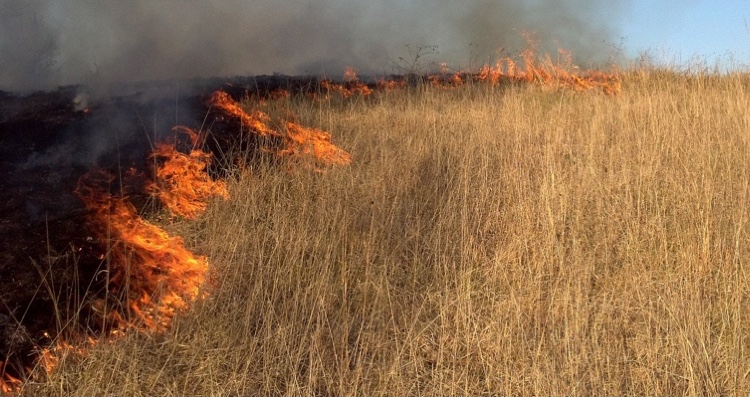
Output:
x,y
512,239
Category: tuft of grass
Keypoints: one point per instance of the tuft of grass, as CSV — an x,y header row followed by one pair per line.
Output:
x,y
484,240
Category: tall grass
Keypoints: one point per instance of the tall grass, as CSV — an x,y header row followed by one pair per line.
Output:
x,y
516,240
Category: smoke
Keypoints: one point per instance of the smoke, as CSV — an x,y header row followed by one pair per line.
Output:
x,y
44,44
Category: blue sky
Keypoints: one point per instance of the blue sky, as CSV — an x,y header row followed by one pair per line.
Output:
x,y
676,31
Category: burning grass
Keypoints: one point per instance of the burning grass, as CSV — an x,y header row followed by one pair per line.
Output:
x,y
182,182
308,144
152,273
485,241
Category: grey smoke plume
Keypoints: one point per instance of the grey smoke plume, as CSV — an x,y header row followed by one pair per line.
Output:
x,y
46,43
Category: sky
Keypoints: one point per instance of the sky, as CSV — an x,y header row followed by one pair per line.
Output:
x,y
680,31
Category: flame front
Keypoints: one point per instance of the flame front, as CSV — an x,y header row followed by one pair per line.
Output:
x,y
152,271
548,72
181,182
257,121
313,142
297,141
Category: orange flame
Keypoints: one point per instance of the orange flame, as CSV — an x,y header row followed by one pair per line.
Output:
x,y
153,271
49,357
297,141
351,88
314,142
257,121
548,72
390,85
182,183
8,383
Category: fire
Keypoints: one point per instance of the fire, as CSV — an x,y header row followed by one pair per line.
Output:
x,y
257,121
549,73
313,142
297,141
49,357
153,271
150,270
181,182
8,383
347,90
390,85
528,69
352,86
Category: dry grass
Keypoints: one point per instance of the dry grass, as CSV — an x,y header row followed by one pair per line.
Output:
x,y
483,241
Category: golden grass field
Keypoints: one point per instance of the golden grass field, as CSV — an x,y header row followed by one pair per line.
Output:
x,y
484,241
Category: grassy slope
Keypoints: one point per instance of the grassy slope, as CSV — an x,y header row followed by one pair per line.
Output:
x,y
523,240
